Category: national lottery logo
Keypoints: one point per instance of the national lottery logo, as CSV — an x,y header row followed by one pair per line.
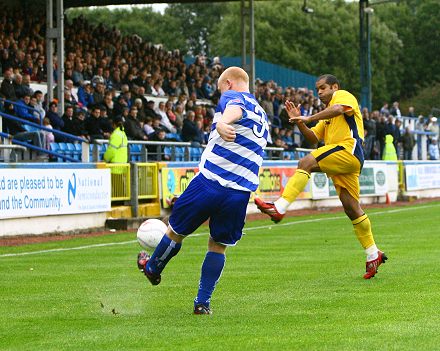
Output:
x,y
71,189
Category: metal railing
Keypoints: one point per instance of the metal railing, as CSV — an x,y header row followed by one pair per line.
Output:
x,y
120,181
7,149
148,182
40,127
184,151
177,151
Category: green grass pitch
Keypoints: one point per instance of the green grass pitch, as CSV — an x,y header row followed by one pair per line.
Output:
x,y
293,286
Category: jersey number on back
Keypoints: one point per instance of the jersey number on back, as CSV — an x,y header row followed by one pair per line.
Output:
x,y
264,125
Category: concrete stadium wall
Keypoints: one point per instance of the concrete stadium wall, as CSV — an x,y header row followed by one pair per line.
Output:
x,y
62,224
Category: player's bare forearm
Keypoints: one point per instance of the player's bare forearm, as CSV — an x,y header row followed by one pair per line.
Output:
x,y
223,127
307,133
329,112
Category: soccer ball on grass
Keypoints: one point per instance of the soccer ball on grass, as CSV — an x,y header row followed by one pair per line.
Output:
x,y
150,233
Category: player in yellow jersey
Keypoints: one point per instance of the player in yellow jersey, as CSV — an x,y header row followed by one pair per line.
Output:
x,y
341,128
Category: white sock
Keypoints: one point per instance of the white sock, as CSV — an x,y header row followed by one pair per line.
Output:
x,y
282,205
372,252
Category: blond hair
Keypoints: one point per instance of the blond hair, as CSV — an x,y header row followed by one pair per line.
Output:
x,y
234,74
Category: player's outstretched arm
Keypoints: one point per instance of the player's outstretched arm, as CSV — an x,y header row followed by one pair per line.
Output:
x,y
224,127
294,113
328,113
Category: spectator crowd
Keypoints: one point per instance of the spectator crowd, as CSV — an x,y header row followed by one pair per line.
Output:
x,y
158,96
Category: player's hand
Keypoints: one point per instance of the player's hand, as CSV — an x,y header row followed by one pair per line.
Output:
x,y
299,120
226,131
292,110
294,113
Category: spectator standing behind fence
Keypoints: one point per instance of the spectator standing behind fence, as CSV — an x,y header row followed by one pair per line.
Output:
x,y
117,152
370,133
389,151
395,110
407,144
433,127
380,135
117,146
384,111
420,127
433,150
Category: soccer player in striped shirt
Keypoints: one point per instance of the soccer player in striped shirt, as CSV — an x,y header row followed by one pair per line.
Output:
x,y
341,127
220,191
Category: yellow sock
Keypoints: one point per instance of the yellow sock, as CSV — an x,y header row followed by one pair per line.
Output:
x,y
362,228
295,185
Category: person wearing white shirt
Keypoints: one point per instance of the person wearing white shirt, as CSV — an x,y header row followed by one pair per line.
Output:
x,y
165,121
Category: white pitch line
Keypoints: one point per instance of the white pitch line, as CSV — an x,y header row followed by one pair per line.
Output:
x,y
206,233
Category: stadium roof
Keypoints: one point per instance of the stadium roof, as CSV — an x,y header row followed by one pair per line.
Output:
x,y
83,3
87,3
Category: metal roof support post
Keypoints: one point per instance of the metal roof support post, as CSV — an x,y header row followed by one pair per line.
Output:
x,y
60,55
365,54
252,46
49,48
243,35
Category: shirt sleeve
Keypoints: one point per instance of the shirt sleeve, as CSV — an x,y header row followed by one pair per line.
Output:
x,y
344,98
231,98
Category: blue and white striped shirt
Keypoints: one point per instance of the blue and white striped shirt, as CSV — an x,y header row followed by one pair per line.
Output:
x,y
236,164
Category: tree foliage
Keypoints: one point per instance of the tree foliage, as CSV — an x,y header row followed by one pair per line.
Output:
x,y
404,37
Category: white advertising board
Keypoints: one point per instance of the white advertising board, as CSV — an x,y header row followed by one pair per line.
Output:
x,y
422,176
41,192
372,181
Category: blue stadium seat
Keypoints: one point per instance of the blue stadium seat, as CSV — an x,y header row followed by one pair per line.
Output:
x,y
78,151
195,153
54,147
175,136
180,153
71,150
167,150
289,155
100,151
63,150
135,152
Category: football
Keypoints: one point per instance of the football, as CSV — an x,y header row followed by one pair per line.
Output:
x,y
150,233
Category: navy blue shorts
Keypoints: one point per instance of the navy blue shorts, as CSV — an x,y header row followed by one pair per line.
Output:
x,y
206,199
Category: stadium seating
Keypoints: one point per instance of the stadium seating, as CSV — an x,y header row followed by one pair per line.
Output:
x,y
174,136
135,152
195,153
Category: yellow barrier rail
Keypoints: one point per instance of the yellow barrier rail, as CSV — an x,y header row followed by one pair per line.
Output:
x,y
148,180
120,181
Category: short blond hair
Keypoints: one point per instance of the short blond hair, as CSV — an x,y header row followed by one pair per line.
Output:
x,y
235,74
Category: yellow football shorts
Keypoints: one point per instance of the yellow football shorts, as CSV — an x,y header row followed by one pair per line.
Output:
x,y
341,166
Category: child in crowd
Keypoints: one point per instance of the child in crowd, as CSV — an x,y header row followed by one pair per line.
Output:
x,y
48,136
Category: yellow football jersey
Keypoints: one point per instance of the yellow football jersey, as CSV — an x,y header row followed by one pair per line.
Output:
x,y
346,129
